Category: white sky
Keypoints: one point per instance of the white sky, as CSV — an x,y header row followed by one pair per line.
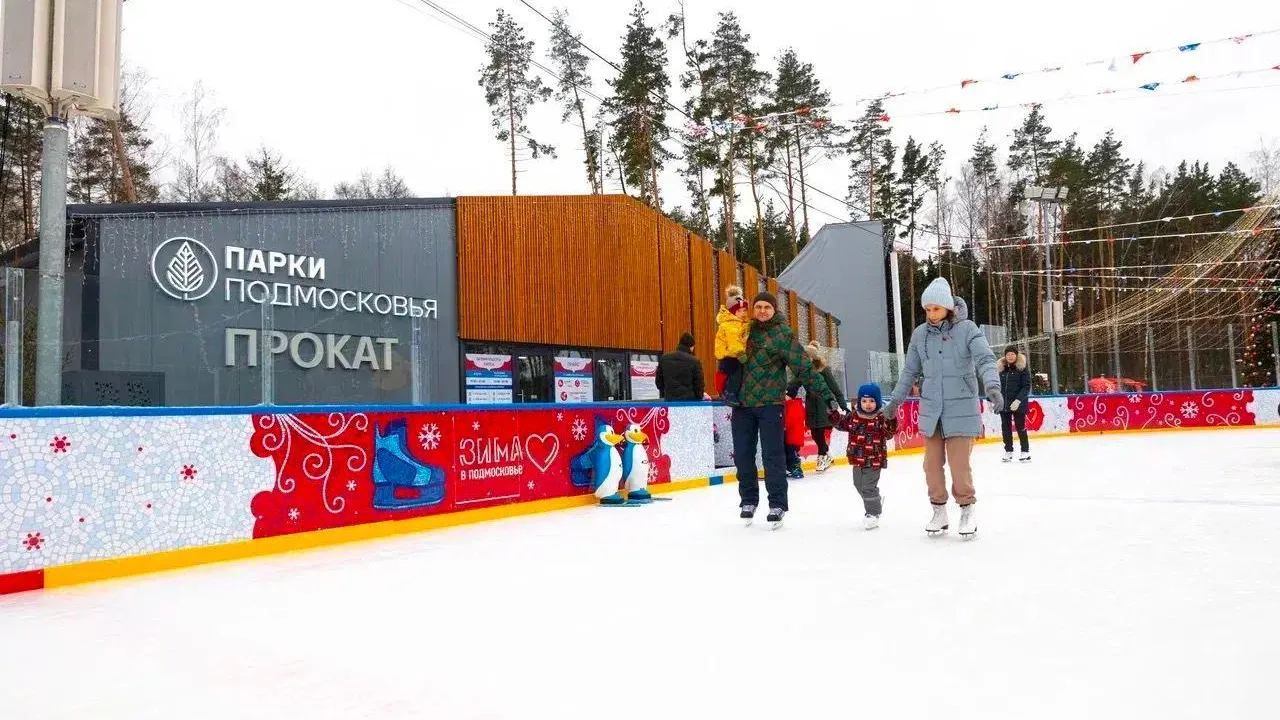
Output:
x,y
341,85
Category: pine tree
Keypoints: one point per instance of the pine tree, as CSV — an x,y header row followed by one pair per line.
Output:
x,y
270,180
798,90
1032,150
638,107
702,147
870,170
571,62
511,88
736,89
23,123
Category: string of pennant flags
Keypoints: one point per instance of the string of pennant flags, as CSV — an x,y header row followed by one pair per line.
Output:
x,y
1112,63
819,117
1149,87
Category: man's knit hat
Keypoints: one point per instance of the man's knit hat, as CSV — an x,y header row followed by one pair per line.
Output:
x,y
766,296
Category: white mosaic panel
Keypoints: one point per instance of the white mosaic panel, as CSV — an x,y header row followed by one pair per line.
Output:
x,y
1265,407
92,488
689,443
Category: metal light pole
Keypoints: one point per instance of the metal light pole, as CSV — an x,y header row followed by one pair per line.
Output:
x,y
64,55
1046,198
897,307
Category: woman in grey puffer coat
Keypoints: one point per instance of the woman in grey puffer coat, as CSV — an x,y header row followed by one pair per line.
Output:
x,y
945,355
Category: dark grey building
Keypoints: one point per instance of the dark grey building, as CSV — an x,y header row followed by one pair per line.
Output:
x,y
843,270
320,302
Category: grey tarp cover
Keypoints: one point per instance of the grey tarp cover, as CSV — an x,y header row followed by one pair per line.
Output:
x,y
842,271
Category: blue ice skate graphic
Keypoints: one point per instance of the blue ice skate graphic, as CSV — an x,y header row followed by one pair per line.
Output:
x,y
418,484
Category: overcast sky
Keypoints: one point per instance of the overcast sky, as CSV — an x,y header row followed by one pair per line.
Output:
x,y
341,85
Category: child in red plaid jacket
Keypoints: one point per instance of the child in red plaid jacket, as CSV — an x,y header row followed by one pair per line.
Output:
x,y
868,452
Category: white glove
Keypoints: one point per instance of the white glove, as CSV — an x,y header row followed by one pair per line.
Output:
x,y
1014,405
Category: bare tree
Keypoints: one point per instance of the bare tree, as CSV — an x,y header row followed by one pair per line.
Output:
x,y
1266,165
388,185
201,120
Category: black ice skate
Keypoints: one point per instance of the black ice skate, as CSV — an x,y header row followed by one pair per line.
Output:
x,y
748,513
775,517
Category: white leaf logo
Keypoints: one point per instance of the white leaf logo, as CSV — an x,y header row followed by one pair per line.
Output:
x,y
185,273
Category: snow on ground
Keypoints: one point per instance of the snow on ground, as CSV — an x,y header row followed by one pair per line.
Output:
x,y
1121,577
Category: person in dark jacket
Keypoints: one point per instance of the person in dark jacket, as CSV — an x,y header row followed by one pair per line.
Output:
x,y
816,416
1015,386
680,373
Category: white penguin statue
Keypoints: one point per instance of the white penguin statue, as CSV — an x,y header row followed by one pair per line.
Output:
x,y
635,464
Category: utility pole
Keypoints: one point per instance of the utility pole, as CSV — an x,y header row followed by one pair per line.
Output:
x,y
1048,198
65,56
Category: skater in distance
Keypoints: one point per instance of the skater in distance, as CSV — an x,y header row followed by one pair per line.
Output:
x,y
757,418
945,353
1015,385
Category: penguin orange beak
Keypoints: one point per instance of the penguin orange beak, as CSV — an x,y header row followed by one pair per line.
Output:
x,y
612,439
638,437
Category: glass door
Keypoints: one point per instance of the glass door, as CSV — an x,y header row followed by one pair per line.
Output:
x,y
533,378
612,383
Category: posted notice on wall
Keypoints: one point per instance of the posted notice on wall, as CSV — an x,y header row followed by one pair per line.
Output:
x,y
644,380
575,382
488,379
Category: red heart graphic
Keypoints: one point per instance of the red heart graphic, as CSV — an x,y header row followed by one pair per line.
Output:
x,y
542,450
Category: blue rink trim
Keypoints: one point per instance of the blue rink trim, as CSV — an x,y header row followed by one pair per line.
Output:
x,y
715,480
62,411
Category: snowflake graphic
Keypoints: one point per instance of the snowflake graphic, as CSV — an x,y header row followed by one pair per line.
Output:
x,y
530,484
60,444
33,541
294,514
653,474
579,429
429,437
476,426
559,417
1135,398
351,486
1189,410
188,472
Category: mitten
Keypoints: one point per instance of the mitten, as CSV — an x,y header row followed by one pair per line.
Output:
x,y
1015,405
995,398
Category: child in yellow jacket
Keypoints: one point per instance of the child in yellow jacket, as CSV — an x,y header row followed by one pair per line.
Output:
x,y
731,344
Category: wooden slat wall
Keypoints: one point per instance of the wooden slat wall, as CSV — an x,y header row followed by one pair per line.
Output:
x,y
593,271
728,274
575,271
750,282
705,304
675,289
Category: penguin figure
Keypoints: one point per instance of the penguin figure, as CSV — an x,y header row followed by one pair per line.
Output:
x,y
602,465
635,465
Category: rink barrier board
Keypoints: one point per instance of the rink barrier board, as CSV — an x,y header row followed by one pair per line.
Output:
x,y
71,573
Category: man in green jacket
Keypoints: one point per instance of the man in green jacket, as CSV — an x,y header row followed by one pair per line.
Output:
x,y
771,349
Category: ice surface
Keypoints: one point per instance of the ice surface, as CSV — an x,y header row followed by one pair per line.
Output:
x,y
1114,577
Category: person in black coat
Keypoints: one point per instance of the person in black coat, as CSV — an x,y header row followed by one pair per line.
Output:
x,y
680,373
1015,386
816,413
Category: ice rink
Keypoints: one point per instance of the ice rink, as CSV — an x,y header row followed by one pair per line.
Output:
x,y
1133,576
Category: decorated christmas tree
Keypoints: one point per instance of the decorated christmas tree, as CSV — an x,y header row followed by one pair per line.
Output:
x,y
1259,360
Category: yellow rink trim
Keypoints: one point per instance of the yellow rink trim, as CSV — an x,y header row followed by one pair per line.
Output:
x,y
100,570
